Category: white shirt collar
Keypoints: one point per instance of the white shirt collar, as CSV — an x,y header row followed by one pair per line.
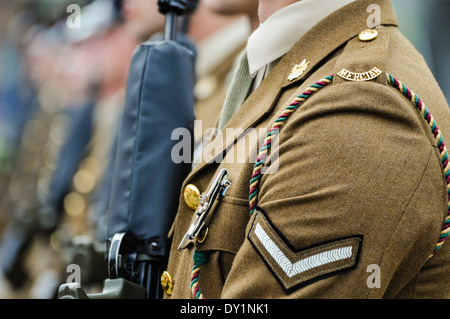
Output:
x,y
278,34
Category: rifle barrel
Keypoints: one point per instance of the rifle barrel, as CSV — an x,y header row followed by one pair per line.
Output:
x,y
170,29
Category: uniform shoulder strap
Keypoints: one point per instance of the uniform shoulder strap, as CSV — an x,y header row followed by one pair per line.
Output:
x,y
364,57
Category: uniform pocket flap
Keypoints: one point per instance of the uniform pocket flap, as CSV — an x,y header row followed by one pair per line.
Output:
x,y
226,230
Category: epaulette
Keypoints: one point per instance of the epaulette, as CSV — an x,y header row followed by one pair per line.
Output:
x,y
364,57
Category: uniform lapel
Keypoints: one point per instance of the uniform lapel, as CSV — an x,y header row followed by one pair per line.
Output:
x,y
321,41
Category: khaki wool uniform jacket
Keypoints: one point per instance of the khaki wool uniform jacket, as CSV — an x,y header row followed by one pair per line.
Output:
x,y
359,198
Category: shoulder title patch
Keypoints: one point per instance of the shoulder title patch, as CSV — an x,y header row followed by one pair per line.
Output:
x,y
360,77
294,268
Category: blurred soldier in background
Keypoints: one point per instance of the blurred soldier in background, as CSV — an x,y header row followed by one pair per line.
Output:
x,y
142,18
217,54
79,75
32,157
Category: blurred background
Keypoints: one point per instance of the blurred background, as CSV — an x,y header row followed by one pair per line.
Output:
x,y
63,73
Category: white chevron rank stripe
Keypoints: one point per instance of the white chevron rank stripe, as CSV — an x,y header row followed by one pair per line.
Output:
x,y
304,264
294,268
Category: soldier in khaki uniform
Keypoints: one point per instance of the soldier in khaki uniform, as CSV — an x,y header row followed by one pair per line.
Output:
x,y
357,203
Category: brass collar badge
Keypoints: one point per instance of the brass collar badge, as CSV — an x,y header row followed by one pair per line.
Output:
x,y
298,70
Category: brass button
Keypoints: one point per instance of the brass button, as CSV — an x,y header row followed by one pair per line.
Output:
x,y
167,283
191,196
368,35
